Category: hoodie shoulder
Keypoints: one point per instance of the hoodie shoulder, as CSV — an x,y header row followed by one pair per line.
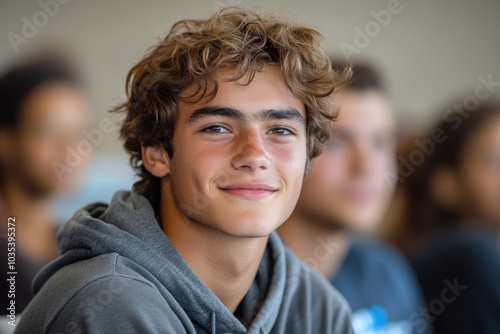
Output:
x,y
107,293
319,307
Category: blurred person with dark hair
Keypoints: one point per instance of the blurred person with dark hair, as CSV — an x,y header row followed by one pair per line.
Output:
x,y
448,219
222,117
42,110
345,194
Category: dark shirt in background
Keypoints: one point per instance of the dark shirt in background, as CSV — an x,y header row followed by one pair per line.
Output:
x,y
460,276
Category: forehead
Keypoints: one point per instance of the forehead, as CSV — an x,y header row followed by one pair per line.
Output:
x,y
364,112
54,102
267,90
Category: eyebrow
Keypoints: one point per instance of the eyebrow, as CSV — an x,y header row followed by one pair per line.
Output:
x,y
263,115
346,134
352,133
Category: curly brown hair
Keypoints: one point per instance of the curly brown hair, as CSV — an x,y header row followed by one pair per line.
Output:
x,y
191,54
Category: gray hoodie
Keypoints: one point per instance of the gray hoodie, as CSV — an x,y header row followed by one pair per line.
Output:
x,y
119,273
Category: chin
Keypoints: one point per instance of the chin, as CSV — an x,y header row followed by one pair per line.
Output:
x,y
247,232
250,234
248,226
363,225
64,188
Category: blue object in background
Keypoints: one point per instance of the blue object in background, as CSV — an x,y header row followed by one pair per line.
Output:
x,y
370,319
105,175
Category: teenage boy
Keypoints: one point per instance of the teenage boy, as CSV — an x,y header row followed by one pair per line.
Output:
x,y
222,118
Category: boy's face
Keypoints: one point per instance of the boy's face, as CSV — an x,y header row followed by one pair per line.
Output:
x,y
476,193
52,119
347,184
239,159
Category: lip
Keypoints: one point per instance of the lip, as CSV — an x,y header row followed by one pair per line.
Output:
x,y
361,196
249,190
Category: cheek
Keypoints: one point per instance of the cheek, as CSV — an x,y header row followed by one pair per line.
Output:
x,y
480,178
327,171
384,169
479,187
291,161
385,160
195,167
485,186
483,200
39,154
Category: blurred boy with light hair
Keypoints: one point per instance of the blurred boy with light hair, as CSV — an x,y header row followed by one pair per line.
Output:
x,y
346,193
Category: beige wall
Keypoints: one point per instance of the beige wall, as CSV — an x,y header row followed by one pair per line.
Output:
x,y
430,50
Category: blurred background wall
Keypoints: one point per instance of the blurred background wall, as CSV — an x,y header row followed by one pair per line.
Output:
x,y
429,51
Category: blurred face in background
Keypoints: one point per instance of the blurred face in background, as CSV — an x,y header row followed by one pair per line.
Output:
x,y
52,118
477,191
346,186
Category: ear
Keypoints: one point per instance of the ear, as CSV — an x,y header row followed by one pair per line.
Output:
x,y
156,160
444,187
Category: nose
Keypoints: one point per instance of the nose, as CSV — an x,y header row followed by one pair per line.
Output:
x,y
362,160
251,154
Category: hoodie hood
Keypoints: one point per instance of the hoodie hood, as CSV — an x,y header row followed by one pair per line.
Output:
x,y
128,226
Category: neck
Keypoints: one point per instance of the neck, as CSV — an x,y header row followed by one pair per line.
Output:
x,y
29,209
226,264
35,230
320,245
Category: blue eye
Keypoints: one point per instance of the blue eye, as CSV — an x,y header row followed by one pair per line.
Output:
x,y
215,129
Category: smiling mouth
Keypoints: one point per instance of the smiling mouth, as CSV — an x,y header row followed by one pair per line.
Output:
x,y
249,191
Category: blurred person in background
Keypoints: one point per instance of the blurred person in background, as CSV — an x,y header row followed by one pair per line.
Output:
x,y
42,112
447,219
345,194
